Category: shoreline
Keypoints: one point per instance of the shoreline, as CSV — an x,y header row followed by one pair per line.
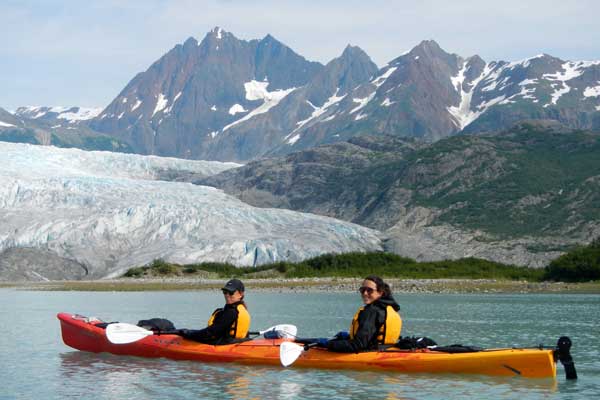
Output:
x,y
308,285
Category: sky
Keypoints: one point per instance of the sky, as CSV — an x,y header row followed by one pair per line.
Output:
x,y
73,52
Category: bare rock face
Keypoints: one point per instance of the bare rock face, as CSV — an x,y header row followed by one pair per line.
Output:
x,y
29,264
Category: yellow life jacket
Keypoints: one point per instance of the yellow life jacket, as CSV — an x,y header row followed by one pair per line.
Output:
x,y
239,329
389,331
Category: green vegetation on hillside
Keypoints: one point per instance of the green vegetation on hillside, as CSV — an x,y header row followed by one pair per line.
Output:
x,y
528,183
579,265
349,265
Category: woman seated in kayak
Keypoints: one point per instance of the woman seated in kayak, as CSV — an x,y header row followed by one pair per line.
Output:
x,y
374,324
227,324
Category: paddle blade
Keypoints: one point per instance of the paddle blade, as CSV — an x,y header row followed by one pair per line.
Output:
x,y
289,353
283,331
122,333
286,331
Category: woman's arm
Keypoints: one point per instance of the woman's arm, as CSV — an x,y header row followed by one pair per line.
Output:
x,y
367,329
218,330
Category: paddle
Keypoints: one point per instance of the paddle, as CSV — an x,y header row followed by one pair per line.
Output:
x,y
123,333
289,352
282,331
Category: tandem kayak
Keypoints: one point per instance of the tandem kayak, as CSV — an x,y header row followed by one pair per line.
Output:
x,y
89,334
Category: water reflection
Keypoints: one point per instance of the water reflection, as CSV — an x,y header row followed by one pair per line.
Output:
x,y
108,376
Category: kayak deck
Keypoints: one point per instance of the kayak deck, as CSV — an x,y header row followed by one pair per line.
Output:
x,y
81,333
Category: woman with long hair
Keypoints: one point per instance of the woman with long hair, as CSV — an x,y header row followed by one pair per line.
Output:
x,y
376,323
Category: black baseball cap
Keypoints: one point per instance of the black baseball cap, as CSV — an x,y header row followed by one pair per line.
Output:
x,y
233,285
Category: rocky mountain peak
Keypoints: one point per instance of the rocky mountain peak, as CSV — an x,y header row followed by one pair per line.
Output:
x,y
217,40
354,56
190,43
475,61
428,48
353,51
269,38
219,33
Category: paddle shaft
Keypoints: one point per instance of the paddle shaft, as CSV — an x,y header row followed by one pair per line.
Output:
x,y
178,332
122,333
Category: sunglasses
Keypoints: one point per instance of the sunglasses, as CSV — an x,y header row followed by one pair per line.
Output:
x,y
229,292
364,289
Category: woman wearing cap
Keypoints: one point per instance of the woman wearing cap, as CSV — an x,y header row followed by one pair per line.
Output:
x,y
376,323
227,324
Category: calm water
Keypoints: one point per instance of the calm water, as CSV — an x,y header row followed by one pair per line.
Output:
x,y
36,364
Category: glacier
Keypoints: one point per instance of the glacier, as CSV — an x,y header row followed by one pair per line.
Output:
x,y
111,211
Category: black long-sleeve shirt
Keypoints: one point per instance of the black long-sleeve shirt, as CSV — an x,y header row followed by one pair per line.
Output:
x,y
218,332
369,322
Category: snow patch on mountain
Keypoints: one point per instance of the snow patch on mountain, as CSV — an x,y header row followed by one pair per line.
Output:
x,y
318,111
71,114
527,82
462,115
236,108
571,71
362,102
82,114
256,90
161,103
380,80
592,91
5,124
387,102
170,108
107,211
525,93
491,80
293,139
136,105
523,63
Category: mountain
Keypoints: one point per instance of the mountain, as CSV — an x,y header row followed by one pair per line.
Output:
x,y
517,196
249,138
102,213
541,87
234,100
430,94
341,180
408,97
178,106
58,115
56,126
8,120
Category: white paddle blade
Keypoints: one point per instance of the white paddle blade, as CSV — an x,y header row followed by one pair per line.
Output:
x,y
289,353
122,333
286,331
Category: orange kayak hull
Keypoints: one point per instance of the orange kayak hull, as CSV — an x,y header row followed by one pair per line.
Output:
x,y
81,333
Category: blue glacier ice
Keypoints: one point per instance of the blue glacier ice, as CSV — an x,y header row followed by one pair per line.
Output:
x,y
111,212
